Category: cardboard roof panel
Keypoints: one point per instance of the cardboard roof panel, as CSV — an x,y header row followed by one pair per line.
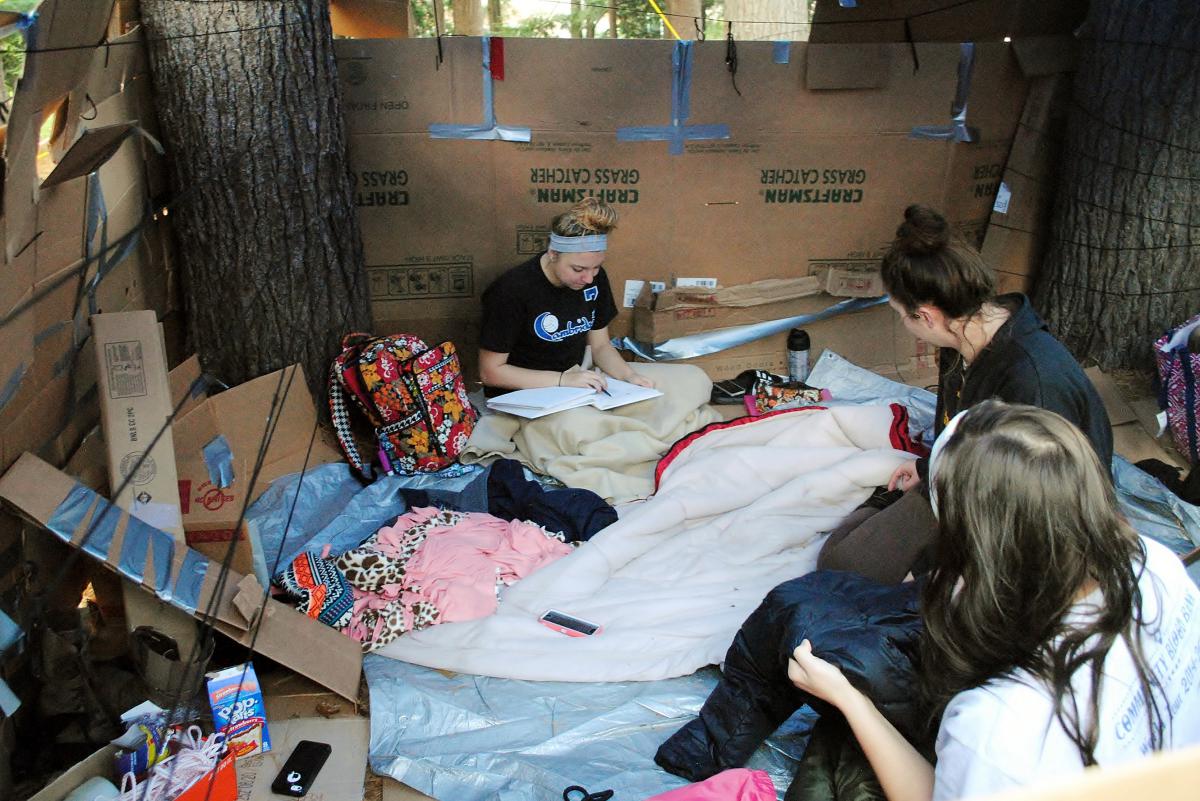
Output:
x,y
942,21
835,66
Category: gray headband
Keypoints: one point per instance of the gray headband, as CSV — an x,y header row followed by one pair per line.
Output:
x,y
579,244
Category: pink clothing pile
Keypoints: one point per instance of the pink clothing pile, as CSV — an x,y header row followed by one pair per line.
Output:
x,y
436,566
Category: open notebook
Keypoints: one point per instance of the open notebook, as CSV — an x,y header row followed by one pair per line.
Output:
x,y
540,402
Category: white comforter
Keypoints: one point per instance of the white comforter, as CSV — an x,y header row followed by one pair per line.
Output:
x,y
739,509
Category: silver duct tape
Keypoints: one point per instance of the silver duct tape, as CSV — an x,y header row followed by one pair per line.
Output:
x,y
957,130
690,347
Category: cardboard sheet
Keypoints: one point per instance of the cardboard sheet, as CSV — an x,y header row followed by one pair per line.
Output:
x,y
342,776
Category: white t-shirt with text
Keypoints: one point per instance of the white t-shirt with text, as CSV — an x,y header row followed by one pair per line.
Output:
x,y
1004,734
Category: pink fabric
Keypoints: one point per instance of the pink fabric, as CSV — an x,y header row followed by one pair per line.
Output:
x,y
735,784
457,567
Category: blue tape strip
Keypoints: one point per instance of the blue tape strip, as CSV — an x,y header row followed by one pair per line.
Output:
x,y
219,459
957,130
677,132
186,592
134,547
9,702
782,52
9,390
10,633
489,129
848,3
142,541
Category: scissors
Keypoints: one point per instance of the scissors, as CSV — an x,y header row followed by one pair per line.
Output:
x,y
584,795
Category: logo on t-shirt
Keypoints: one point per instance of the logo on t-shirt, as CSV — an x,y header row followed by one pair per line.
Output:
x,y
591,293
546,326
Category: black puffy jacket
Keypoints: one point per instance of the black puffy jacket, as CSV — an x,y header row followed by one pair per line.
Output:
x,y
868,630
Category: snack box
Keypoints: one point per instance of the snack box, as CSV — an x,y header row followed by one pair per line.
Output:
x,y
238,710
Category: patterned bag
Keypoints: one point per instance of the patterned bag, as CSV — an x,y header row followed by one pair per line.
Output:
x,y
1178,357
413,395
771,395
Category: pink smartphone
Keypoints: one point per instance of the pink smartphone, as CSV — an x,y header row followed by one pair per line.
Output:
x,y
568,624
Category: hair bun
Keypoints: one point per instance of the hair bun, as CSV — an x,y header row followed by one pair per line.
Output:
x,y
595,215
923,232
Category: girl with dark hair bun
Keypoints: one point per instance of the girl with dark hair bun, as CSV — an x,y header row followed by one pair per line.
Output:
x,y
1055,637
990,347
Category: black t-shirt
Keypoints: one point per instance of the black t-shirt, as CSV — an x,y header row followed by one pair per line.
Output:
x,y
541,326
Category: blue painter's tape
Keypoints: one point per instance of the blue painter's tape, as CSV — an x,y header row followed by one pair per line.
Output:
x,y
488,129
9,390
142,541
159,553
678,131
782,52
186,592
134,550
219,459
71,512
848,3
957,130
10,633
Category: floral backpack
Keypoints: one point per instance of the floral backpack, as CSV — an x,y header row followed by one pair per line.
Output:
x,y
413,396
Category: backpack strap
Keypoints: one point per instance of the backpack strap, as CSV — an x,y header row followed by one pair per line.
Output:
x,y
341,419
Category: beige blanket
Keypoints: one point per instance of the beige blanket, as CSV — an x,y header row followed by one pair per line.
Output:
x,y
612,453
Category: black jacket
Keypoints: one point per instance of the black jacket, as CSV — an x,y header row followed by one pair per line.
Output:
x,y
868,630
1023,364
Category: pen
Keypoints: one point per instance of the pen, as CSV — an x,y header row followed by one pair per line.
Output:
x,y
606,392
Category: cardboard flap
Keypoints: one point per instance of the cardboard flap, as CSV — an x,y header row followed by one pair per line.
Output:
x,y
1046,55
847,66
755,293
182,380
36,490
93,147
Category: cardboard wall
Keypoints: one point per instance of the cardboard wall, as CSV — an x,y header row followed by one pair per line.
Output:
x,y
48,398
809,178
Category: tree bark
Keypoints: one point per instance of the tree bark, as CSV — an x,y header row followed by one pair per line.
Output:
x,y
679,10
1123,262
768,20
247,100
575,23
495,15
469,17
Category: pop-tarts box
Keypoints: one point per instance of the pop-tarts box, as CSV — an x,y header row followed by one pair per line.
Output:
x,y
238,710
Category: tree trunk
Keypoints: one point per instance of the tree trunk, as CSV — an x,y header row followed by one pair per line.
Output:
x,y
469,17
268,238
495,15
612,21
680,10
575,23
1123,262
773,20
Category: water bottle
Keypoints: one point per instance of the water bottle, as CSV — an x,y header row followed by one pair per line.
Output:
x,y
797,355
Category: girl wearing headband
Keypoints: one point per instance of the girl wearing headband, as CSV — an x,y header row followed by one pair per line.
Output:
x,y
539,316
1055,637
990,347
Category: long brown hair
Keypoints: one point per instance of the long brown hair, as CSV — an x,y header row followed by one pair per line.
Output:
x,y
1027,519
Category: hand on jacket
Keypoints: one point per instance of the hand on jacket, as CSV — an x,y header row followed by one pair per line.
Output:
x,y
641,380
816,676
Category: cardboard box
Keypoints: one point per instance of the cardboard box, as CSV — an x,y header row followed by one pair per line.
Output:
x,y
811,175
54,501
676,312
224,787
849,280
241,416
135,407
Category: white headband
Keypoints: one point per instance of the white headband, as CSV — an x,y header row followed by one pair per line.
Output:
x,y
579,244
935,456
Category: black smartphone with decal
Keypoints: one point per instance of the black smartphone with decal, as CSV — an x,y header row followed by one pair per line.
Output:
x,y
301,768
